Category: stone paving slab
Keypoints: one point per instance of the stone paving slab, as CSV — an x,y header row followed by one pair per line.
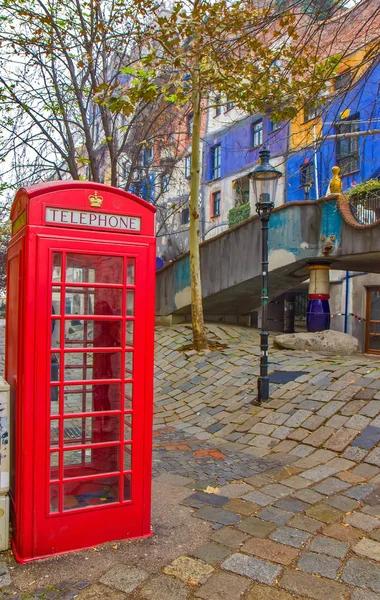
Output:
x,y
255,569
285,498
123,578
223,585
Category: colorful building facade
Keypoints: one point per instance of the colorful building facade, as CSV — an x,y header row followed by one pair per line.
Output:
x,y
344,132
231,149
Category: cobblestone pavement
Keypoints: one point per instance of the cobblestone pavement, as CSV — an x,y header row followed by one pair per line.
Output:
x,y
273,502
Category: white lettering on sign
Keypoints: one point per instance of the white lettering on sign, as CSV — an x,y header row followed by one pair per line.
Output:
x,y
92,219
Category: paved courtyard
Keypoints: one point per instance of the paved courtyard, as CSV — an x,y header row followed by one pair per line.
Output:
x,y
272,502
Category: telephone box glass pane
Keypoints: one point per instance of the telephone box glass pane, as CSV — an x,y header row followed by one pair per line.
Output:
x,y
54,498
128,390
57,267
54,366
131,266
76,458
54,465
129,332
91,461
92,301
78,366
54,399
127,487
127,457
56,301
90,334
130,303
127,427
94,269
91,430
55,333
128,365
92,492
54,433
92,365
92,398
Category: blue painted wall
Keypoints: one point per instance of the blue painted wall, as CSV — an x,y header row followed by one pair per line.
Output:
x,y
364,99
236,141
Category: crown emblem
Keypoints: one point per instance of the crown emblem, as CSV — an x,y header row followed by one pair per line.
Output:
x,y
95,200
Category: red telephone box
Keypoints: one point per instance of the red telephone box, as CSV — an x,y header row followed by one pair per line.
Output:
x,y
79,361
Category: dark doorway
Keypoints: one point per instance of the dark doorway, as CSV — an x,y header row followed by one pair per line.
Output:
x,y
372,343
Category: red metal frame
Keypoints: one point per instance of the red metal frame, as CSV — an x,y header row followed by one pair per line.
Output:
x,y
82,460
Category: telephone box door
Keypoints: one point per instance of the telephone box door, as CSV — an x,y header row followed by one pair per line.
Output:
x,y
92,428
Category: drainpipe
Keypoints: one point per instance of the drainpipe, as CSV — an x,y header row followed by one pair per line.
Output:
x,y
347,279
315,163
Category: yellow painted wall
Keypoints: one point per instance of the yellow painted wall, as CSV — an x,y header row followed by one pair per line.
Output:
x,y
304,133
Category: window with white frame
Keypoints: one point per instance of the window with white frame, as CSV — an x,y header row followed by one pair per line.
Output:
x,y
343,80
189,124
165,179
229,104
347,145
216,156
125,169
311,112
185,216
257,133
274,126
218,107
148,155
188,167
215,204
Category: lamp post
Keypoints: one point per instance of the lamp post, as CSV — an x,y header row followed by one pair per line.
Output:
x,y
306,188
265,178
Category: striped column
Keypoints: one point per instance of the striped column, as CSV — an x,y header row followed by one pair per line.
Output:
x,y
318,310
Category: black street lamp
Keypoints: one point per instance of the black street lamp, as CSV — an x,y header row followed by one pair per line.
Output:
x,y
307,185
265,178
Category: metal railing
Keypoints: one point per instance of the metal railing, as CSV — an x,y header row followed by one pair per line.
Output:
x,y
366,210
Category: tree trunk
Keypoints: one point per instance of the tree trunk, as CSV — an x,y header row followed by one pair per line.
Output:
x,y
199,332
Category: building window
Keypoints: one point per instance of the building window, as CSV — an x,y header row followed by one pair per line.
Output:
x,y
137,174
165,182
307,173
218,108
185,216
188,167
257,133
216,204
343,80
125,169
347,148
189,124
216,154
311,112
274,126
229,105
148,155
241,188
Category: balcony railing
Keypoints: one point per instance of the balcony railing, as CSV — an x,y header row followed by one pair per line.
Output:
x,y
366,208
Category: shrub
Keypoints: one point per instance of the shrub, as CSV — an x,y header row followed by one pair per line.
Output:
x,y
238,214
361,191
